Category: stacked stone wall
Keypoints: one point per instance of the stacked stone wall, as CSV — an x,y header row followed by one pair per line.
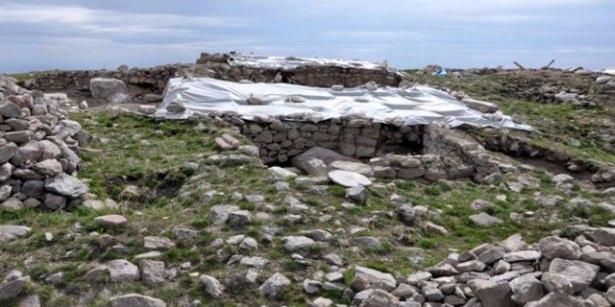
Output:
x,y
310,75
280,140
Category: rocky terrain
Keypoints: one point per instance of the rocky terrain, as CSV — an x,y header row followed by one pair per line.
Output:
x,y
102,204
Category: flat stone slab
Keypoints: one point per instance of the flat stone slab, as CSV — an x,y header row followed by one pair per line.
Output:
x,y
355,167
349,179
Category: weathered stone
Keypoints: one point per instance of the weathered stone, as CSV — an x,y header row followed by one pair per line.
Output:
x,y
66,185
9,110
528,255
282,173
274,285
7,152
212,286
348,179
12,204
484,219
371,278
54,201
12,232
557,299
111,220
154,242
12,285
559,283
375,298
556,247
121,270
432,294
48,168
219,213
152,272
604,236
110,90
354,167
299,244
526,289
357,194
136,300
580,274
239,219
492,294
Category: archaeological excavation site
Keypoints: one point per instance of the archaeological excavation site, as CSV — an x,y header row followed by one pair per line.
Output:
x,y
245,180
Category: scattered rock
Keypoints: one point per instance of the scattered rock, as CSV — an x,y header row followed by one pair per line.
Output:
x,y
121,270
136,300
212,286
111,220
12,232
274,285
484,219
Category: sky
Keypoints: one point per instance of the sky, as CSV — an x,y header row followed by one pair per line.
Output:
x,y
71,34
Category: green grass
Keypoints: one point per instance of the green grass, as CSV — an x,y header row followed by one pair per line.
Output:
x,y
174,196
557,124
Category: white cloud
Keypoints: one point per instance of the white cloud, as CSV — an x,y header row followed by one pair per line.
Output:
x,y
110,22
368,34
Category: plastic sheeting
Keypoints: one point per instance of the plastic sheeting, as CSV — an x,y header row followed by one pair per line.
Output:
x,y
292,62
417,105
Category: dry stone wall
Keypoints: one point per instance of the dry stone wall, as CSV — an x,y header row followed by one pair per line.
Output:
x,y
280,140
154,79
217,66
38,151
77,82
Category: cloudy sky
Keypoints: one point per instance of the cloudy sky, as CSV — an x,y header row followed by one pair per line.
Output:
x,y
68,34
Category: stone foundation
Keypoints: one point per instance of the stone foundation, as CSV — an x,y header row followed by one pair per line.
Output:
x,y
77,82
154,79
311,75
281,140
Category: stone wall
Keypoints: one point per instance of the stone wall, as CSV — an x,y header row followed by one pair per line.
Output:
x,y
77,82
154,79
310,75
38,151
281,140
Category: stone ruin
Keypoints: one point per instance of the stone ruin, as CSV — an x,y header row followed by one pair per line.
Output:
x,y
374,149
281,140
153,80
38,151
221,66
553,272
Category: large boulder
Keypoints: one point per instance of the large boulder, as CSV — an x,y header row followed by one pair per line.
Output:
x,y
110,90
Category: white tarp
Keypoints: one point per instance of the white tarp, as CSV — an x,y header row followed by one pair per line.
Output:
x,y
415,105
291,62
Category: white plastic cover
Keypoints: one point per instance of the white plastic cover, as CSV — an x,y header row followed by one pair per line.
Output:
x,y
415,105
292,62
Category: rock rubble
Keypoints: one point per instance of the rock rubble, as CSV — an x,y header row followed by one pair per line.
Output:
x,y
38,151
